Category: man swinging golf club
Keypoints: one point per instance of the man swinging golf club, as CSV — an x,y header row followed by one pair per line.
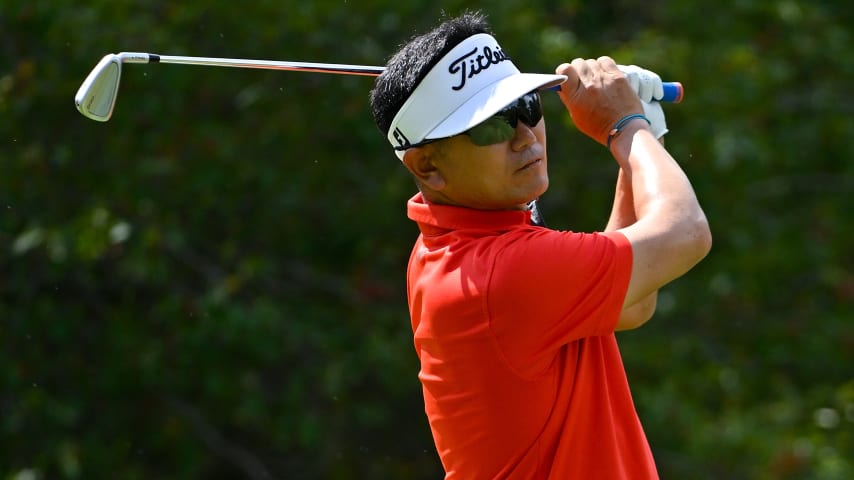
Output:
x,y
514,322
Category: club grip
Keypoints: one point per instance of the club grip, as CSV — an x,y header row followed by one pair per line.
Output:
x,y
673,91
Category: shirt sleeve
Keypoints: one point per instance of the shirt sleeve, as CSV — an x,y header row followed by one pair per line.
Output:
x,y
549,288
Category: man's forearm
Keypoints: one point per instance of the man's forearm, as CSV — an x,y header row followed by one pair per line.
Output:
x,y
659,187
623,215
671,233
623,211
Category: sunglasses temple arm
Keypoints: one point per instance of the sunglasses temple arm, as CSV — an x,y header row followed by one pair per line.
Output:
x,y
673,91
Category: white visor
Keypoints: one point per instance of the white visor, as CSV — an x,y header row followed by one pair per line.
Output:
x,y
470,83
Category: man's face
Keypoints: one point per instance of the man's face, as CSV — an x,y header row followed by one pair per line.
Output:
x,y
501,176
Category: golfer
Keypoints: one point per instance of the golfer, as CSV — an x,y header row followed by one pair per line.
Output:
x,y
514,322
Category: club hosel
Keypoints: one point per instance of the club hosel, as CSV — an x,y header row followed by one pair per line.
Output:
x,y
138,57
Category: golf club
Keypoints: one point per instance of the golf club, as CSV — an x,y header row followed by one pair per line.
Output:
x,y
96,96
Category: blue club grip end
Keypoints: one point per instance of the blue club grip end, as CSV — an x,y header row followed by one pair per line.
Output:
x,y
673,92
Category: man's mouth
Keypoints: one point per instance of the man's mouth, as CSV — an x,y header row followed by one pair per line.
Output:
x,y
530,164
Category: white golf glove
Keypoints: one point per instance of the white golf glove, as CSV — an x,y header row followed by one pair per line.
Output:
x,y
655,114
647,85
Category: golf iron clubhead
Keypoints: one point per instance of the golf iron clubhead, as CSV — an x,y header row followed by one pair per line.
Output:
x,y
96,97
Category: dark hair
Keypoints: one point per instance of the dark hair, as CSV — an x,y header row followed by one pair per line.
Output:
x,y
413,61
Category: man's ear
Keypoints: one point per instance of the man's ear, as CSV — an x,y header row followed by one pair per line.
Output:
x,y
420,161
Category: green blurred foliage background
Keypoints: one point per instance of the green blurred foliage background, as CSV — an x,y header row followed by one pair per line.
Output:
x,y
211,284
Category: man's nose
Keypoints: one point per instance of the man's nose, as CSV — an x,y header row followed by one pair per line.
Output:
x,y
523,138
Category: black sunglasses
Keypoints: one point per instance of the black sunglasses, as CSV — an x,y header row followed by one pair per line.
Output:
x,y
500,127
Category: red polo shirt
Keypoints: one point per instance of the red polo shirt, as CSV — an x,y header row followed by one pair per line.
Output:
x,y
520,370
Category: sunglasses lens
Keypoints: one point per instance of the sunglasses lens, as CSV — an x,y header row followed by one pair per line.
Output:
x,y
493,130
529,109
501,127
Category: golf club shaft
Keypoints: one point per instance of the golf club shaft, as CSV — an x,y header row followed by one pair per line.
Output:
x,y
673,91
135,57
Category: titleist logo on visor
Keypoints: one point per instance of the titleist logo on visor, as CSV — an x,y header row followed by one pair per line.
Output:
x,y
467,66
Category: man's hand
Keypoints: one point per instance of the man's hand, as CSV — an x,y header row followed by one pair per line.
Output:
x,y
597,95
